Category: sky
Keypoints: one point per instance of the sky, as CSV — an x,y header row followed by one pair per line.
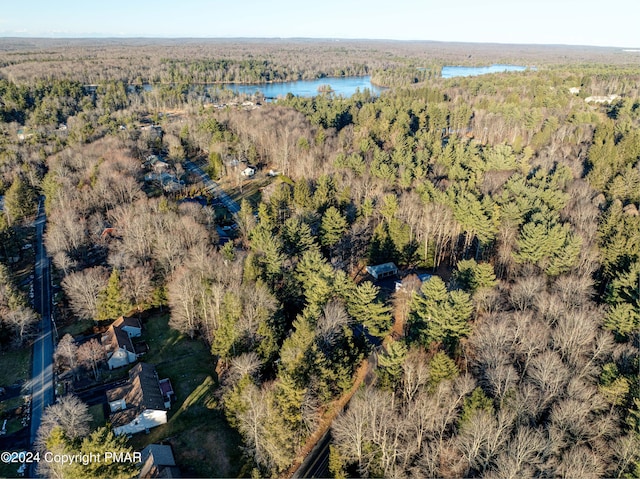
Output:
x,y
571,22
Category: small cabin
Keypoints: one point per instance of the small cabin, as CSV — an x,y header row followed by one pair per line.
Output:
x,y
384,270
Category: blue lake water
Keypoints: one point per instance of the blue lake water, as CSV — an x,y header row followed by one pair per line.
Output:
x,y
459,71
344,86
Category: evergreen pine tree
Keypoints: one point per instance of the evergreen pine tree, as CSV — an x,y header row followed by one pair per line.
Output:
x,y
111,303
19,201
364,308
476,401
390,364
623,319
332,228
441,368
440,316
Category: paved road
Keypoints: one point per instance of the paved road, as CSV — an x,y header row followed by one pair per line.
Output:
x,y
316,463
42,373
213,188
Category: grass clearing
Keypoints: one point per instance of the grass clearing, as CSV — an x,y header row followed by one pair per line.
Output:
x,y
97,416
251,190
204,444
9,470
15,366
77,327
11,404
14,425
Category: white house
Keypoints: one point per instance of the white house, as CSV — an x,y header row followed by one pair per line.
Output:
x,y
601,99
139,404
117,342
248,171
131,326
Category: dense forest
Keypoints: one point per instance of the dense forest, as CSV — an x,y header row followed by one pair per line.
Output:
x,y
517,355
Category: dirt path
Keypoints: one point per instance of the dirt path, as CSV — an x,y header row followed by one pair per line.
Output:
x,y
330,414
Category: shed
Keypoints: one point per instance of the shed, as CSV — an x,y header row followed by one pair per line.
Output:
x,y
158,461
384,270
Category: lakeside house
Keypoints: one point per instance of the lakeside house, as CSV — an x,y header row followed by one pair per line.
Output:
x,y
140,404
601,99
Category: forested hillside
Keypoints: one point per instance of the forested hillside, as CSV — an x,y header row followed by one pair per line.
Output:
x,y
518,356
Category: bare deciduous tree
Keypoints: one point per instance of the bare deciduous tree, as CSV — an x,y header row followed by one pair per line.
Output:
x,y
82,289
90,354
184,290
247,364
70,414
522,454
351,431
483,437
330,323
549,373
415,374
66,353
524,293
137,284
580,461
22,322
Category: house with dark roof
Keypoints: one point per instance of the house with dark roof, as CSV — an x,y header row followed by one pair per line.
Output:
x,y
139,404
158,461
118,344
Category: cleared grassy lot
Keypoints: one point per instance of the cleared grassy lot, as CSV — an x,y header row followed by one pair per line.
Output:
x,y
202,441
14,366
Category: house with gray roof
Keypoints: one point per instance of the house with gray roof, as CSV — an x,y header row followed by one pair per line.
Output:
x,y
158,461
384,270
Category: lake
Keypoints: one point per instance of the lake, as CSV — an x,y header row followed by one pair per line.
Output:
x,y
344,86
459,71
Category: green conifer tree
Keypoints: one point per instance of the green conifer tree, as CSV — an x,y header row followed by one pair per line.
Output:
x,y
19,201
441,368
364,308
390,364
440,316
332,228
111,302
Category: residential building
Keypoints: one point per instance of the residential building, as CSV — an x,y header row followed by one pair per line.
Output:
x,y
118,344
158,461
384,270
139,404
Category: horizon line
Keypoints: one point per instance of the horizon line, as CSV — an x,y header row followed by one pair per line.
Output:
x,y
13,36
